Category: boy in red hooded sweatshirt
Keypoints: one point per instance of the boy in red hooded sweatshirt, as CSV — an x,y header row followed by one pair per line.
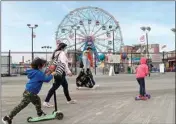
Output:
x,y
141,73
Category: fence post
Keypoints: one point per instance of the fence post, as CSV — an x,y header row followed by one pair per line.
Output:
x,y
163,56
131,61
163,61
9,69
95,64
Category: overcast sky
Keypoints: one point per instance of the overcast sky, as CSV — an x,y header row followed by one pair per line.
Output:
x,y
16,36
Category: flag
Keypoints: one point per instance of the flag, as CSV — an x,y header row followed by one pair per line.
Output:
x,y
34,35
164,46
142,39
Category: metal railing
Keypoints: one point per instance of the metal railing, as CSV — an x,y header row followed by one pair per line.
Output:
x,y
20,60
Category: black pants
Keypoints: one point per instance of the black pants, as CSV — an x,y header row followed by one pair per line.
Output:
x,y
141,82
149,74
59,81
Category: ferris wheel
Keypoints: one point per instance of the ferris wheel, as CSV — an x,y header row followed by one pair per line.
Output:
x,y
90,26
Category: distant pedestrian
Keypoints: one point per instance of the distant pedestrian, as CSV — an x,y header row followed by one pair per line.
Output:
x,y
150,66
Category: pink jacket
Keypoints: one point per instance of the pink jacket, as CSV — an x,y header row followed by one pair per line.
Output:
x,y
142,69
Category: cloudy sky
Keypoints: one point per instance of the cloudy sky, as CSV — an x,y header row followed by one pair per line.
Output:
x,y
16,36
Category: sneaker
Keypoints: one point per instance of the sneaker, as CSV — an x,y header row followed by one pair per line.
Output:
x,y
72,102
41,114
6,120
140,95
95,86
143,98
47,105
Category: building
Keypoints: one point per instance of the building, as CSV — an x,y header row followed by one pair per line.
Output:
x,y
138,48
127,49
170,60
136,51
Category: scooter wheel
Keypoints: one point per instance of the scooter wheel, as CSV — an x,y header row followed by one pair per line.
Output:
x,y
137,98
59,115
149,96
28,119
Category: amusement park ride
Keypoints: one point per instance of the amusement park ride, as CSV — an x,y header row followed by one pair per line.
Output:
x,y
90,26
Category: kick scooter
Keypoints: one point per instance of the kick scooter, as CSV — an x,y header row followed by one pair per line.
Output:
x,y
57,114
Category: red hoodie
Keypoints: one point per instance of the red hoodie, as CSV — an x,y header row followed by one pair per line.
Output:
x,y
142,69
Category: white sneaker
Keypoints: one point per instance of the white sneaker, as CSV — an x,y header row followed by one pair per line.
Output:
x,y
6,120
95,86
72,102
47,105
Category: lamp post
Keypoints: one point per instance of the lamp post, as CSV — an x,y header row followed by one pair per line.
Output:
x,y
113,30
75,28
113,42
46,48
173,30
32,36
146,30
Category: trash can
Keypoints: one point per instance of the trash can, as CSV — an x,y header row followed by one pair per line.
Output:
x,y
129,70
116,69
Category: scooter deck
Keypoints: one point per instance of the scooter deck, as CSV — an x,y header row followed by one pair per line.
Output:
x,y
46,117
148,96
138,98
58,115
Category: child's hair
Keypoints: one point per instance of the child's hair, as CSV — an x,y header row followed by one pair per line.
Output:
x,y
89,48
38,63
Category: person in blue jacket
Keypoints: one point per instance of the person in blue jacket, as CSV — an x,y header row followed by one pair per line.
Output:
x,y
36,76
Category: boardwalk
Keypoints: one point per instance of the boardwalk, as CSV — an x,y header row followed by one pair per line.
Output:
x,y
112,103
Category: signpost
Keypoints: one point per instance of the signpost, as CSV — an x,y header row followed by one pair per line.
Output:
x,y
112,59
156,58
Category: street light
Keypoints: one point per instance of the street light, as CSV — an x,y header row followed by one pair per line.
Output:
x,y
75,28
46,48
32,28
113,30
146,30
173,29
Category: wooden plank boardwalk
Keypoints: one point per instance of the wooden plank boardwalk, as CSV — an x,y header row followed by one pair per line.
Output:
x,y
112,103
